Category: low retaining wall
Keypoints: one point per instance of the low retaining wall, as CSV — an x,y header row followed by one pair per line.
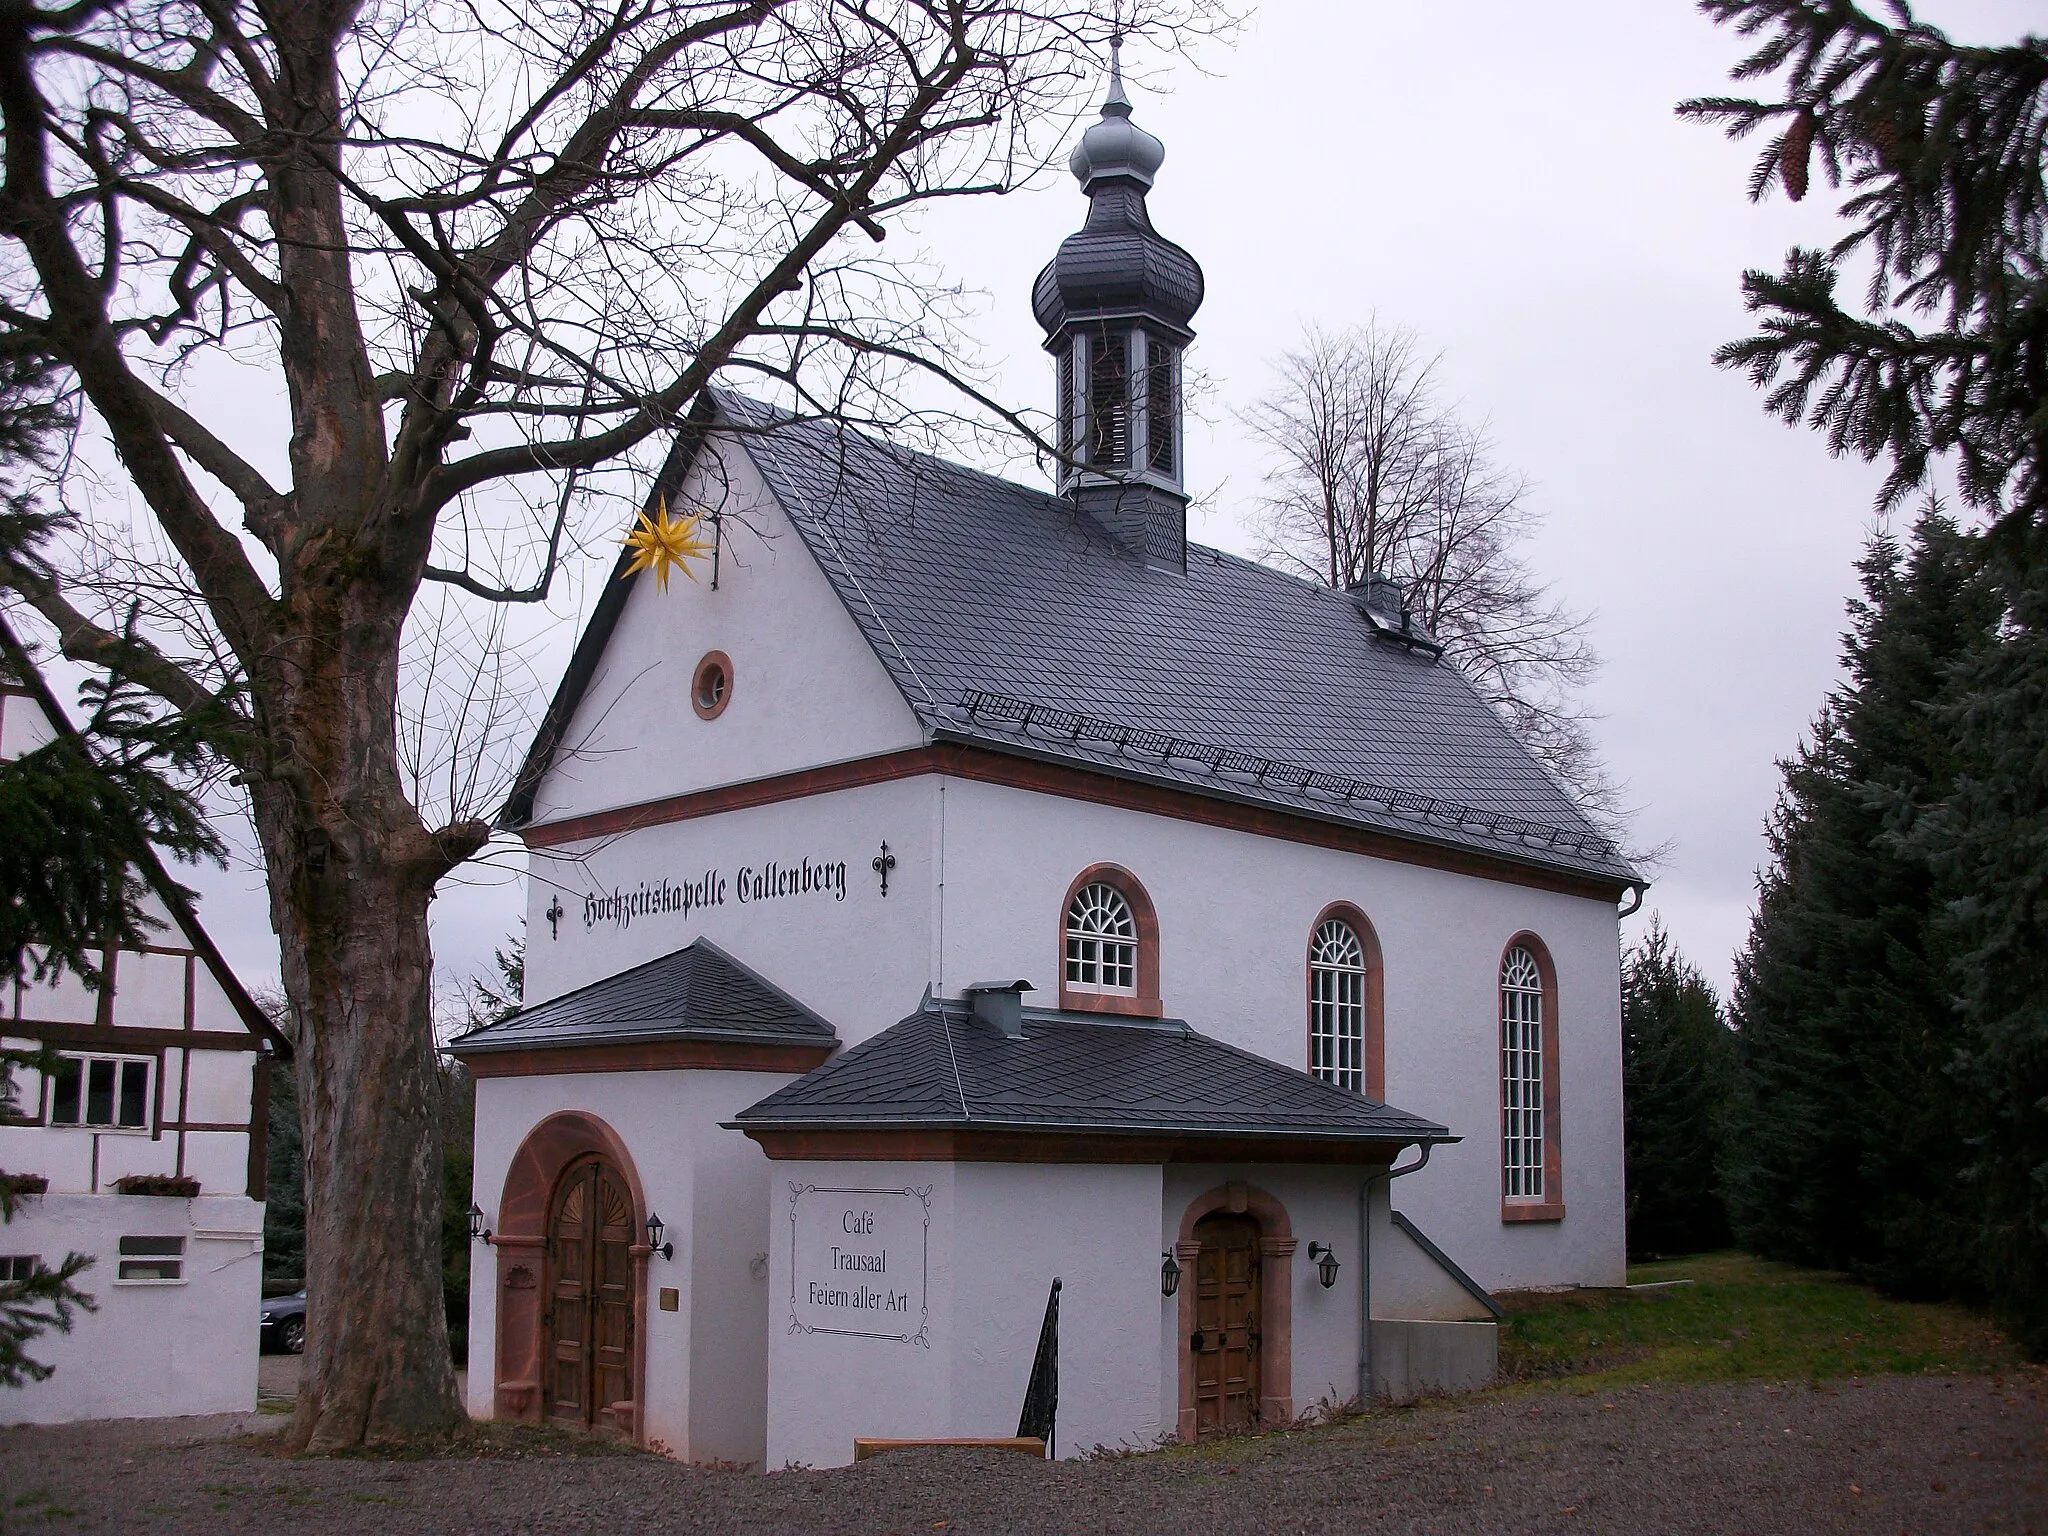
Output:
x,y
1412,1358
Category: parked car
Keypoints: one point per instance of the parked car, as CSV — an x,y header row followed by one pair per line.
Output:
x,y
284,1324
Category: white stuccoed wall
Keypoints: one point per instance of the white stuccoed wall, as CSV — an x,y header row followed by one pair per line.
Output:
x,y
1020,1224
861,962
151,1349
1234,917
999,1233
976,893
703,1395
807,689
824,1389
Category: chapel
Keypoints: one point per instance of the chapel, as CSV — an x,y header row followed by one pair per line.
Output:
x,y
984,947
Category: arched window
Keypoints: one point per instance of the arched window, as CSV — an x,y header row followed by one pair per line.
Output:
x,y
1530,1176
1336,1005
1109,945
1346,1034
1102,941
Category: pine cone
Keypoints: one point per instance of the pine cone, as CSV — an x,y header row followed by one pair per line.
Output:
x,y
1794,152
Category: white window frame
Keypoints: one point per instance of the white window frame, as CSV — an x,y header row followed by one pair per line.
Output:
x,y
1336,1004
178,1257
85,1059
1101,952
16,1267
1521,1076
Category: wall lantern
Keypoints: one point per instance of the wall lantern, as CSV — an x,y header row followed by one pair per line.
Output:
x,y
1169,1275
478,1232
654,1242
1326,1265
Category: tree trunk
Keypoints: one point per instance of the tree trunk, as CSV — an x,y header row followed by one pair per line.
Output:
x,y
377,1368
351,870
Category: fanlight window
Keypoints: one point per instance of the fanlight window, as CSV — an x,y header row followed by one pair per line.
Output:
x,y
1336,1005
1102,941
1521,1075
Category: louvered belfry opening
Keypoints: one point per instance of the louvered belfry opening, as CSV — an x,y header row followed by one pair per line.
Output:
x,y
1115,303
1109,400
1162,406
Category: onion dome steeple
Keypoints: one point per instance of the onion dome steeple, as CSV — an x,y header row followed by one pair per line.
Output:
x,y
1115,305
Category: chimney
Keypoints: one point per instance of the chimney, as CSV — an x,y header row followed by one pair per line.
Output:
x,y
1000,1005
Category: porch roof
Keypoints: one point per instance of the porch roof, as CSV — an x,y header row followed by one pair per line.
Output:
x,y
942,1068
698,992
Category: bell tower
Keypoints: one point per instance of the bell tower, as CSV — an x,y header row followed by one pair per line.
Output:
x,y
1115,305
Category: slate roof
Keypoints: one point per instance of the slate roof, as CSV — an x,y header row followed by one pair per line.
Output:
x,y
944,1068
1007,617
698,992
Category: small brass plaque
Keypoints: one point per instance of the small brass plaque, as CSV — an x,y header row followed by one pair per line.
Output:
x,y
671,1299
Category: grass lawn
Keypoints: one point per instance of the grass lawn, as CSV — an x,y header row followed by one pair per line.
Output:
x,y
1742,1319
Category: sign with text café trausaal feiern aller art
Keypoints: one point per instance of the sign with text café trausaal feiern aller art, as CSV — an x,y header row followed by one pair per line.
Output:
x,y
859,1262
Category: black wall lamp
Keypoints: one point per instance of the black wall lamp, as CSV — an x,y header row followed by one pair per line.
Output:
x,y
654,1242
1326,1265
478,1232
1169,1275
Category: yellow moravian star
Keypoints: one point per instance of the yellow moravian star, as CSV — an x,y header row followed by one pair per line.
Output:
x,y
660,542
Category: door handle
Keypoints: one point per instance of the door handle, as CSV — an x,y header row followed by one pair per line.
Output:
x,y
1195,1342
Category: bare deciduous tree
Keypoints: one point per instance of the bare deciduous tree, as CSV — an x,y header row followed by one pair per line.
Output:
x,y
1376,476
486,249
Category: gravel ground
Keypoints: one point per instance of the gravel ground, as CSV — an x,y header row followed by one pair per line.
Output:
x,y
1921,1455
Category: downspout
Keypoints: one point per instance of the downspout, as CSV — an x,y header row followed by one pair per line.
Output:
x,y
1365,1393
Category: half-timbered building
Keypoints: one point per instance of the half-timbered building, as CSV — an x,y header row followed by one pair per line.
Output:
x,y
144,1147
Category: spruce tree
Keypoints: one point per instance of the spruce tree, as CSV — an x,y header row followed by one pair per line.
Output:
x,y
1678,1067
1848,1132
1989,842
1939,146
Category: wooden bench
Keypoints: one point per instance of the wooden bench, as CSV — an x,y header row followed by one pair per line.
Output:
x,y
1029,1445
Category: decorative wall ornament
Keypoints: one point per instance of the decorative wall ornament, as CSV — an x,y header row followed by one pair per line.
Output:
x,y
882,863
662,542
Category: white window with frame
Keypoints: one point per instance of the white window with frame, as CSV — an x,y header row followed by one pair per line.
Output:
x,y
17,1268
1521,1075
1336,1005
143,1260
102,1093
1102,941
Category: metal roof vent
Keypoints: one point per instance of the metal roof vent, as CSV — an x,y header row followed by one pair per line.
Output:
x,y
1385,607
1000,1005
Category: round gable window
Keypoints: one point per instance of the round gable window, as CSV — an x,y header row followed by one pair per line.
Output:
x,y
711,687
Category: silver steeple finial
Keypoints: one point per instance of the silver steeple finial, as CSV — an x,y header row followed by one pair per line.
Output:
x,y
1114,146
1116,103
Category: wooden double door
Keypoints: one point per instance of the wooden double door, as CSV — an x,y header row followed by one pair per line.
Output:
x,y
1226,1341
588,1348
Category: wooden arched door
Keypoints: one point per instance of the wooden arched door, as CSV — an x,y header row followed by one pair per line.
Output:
x,y
1228,1315
588,1350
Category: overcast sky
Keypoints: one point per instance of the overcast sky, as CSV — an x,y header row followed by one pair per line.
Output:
x,y
1508,180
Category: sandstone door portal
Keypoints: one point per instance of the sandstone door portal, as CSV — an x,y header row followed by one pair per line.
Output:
x,y
1226,1338
589,1346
